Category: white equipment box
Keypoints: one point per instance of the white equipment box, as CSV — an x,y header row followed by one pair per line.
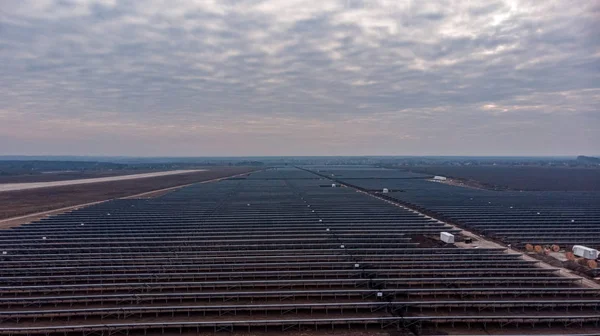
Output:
x,y
447,238
585,252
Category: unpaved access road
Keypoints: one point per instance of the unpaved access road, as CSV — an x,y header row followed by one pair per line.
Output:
x,y
35,185
23,206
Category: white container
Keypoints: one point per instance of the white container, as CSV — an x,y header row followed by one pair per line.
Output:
x,y
447,238
333,185
440,178
585,252
385,190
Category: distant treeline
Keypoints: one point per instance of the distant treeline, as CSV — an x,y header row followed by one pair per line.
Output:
x,y
8,168
588,159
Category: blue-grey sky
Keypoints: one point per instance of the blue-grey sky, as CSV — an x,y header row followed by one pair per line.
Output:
x,y
299,77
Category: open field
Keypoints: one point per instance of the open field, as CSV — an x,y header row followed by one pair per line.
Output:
x,y
70,175
22,202
34,185
30,171
521,177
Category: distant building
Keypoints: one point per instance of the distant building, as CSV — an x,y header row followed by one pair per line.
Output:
x,y
440,178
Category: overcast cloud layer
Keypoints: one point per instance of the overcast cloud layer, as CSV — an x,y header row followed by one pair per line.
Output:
x,y
299,77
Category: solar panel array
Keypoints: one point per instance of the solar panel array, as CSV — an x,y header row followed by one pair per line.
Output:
x,y
278,250
519,218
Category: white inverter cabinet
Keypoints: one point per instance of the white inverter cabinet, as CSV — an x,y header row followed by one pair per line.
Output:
x,y
585,252
447,238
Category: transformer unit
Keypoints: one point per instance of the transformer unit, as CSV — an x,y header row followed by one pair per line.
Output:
x,y
447,238
585,252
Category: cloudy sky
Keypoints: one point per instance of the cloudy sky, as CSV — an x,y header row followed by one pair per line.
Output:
x,y
299,77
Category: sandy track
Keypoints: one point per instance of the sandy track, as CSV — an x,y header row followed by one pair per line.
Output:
x,y
15,221
34,185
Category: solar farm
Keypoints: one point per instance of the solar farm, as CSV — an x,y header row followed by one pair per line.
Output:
x,y
516,217
305,251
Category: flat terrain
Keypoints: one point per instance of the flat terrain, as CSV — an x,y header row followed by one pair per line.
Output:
x,y
277,251
35,185
70,175
22,202
522,177
518,218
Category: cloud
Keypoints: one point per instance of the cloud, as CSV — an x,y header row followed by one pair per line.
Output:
x,y
325,77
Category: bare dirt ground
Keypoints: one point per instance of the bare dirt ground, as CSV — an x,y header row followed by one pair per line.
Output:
x,y
34,185
23,202
71,175
462,183
16,221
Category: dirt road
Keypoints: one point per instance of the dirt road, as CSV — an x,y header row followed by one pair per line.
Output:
x,y
35,185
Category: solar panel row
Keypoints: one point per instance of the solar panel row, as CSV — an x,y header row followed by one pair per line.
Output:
x,y
273,251
519,218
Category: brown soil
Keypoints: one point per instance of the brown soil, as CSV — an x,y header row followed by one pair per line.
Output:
x,y
471,184
23,202
76,175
